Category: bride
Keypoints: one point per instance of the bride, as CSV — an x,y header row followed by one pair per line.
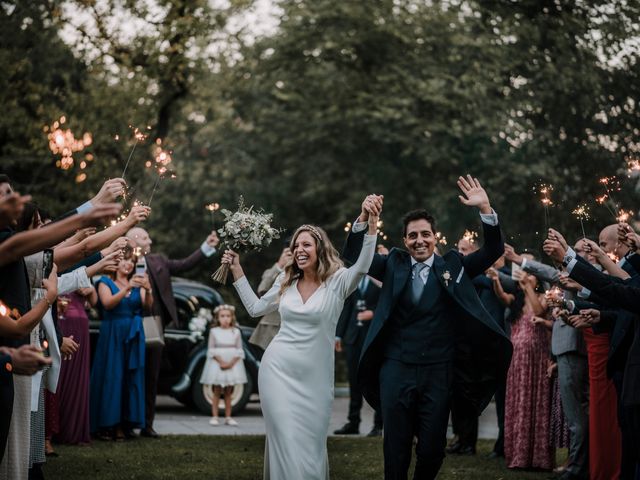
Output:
x,y
296,374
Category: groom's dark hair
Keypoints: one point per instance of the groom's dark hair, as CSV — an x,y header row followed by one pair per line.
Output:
x,y
414,215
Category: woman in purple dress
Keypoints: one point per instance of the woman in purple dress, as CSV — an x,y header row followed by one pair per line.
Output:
x,y
73,386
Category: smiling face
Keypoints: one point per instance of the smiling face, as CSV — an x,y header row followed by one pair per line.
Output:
x,y
305,251
420,239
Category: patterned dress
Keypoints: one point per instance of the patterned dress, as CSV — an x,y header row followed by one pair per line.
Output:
x,y
528,399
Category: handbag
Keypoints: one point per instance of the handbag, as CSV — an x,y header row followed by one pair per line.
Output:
x,y
153,334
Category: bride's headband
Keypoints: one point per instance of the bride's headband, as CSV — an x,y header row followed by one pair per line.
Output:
x,y
312,229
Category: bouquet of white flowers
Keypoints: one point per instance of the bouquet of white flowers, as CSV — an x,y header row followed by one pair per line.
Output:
x,y
201,320
244,230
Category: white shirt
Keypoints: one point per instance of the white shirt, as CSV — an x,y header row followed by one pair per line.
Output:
x,y
424,273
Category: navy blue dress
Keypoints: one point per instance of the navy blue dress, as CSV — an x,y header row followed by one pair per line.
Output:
x,y
117,375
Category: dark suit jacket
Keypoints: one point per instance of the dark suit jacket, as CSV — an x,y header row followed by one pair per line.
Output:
x,y
483,352
623,295
347,328
160,269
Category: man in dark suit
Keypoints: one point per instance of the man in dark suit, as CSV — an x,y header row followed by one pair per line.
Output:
x,y
160,268
430,334
351,331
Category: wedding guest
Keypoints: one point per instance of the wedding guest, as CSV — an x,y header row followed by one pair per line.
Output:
x,y
527,429
73,387
117,376
269,325
159,269
351,332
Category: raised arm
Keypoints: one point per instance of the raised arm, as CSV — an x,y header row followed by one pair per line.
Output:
x,y
473,195
33,241
68,256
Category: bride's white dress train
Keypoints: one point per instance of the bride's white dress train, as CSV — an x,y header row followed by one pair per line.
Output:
x,y
296,373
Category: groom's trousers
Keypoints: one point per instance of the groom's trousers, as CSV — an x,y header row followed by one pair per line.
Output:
x,y
415,401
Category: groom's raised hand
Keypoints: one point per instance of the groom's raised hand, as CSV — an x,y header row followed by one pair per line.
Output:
x,y
372,205
473,194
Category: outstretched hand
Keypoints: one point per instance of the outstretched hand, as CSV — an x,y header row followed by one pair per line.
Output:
x,y
473,194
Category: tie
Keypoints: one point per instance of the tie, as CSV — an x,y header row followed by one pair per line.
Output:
x,y
362,286
417,285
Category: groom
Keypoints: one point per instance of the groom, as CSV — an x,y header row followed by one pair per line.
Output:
x,y
430,334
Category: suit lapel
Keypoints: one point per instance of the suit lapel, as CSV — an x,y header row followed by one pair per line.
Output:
x,y
401,275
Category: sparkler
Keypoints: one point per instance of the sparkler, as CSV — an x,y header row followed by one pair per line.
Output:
x,y
140,137
545,190
163,172
347,227
470,236
212,207
624,216
582,213
442,240
610,184
633,166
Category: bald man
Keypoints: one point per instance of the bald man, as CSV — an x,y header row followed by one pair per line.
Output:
x,y
160,268
609,242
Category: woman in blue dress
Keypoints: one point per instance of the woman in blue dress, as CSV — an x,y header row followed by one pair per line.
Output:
x,y
117,376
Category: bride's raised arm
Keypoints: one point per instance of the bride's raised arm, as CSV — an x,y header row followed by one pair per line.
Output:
x,y
347,280
256,307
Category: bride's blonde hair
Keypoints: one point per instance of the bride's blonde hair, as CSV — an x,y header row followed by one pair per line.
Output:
x,y
328,258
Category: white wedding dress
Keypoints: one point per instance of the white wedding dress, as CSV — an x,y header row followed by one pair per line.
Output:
x,y
296,374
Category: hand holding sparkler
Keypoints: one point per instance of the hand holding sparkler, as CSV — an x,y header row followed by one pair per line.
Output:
x,y
553,247
568,283
118,245
110,191
586,319
556,235
138,213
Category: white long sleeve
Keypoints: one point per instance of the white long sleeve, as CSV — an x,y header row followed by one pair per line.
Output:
x,y
345,281
72,281
257,307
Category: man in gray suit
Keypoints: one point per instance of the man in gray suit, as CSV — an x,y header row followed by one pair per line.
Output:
x,y
567,345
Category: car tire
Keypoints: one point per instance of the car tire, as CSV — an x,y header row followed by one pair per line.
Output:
x,y
202,395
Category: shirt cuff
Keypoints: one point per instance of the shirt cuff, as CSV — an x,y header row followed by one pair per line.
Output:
x,y
570,259
584,293
490,218
207,249
85,207
524,263
359,226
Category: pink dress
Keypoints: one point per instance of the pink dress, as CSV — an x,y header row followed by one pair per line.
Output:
x,y
527,421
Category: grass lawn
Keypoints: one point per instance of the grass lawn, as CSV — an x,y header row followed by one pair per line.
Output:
x,y
240,458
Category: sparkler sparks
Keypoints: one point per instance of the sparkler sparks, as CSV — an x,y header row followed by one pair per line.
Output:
x,y
624,216
582,213
470,236
212,208
139,137
442,240
64,143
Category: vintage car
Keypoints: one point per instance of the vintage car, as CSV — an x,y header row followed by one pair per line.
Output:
x,y
185,350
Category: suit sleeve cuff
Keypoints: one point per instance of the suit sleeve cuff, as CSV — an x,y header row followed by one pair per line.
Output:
x,y
359,226
570,259
584,293
490,218
207,249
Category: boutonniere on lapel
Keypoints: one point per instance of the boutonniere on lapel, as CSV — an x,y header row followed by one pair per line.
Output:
x,y
446,276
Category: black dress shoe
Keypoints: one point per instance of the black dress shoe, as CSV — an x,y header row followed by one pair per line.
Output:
x,y
149,433
455,447
375,432
130,434
467,451
348,429
493,455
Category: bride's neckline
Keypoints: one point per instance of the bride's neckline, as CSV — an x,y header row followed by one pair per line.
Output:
x,y
304,302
